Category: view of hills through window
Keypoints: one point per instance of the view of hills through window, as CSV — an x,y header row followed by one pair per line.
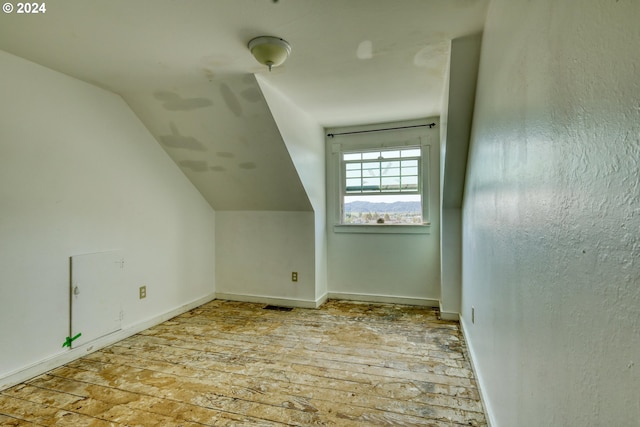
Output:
x,y
384,209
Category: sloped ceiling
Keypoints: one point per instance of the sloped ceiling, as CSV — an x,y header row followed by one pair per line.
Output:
x,y
221,133
185,70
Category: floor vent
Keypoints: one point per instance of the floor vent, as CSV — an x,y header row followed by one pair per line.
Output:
x,y
277,308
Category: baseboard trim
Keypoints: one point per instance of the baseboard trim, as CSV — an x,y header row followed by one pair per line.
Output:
x,y
321,300
488,413
388,299
66,356
260,299
448,315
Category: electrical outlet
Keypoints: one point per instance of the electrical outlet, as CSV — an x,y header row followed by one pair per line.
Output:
x,y
473,314
294,276
143,291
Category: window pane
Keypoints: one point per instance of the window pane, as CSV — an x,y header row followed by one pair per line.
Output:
x,y
382,185
393,154
413,152
372,172
390,184
352,156
410,171
371,165
409,163
354,185
386,165
371,155
410,183
391,172
370,184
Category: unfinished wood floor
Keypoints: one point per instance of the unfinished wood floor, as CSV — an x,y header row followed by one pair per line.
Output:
x,y
230,363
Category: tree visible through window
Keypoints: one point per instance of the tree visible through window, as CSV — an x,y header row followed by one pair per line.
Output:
x,y
382,186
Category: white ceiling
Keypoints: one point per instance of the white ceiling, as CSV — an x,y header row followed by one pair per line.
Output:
x,y
352,62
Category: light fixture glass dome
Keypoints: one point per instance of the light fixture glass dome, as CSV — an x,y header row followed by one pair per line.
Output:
x,y
270,51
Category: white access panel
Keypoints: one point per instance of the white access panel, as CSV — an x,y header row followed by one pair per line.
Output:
x,y
96,294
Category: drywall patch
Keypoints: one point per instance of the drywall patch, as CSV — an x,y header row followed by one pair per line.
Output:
x,y
209,74
174,102
252,94
249,79
194,165
431,56
217,61
247,165
225,154
230,99
175,140
365,50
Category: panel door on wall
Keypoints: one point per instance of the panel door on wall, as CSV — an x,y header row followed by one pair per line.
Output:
x,y
96,291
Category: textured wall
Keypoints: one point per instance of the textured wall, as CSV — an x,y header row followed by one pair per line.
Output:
x,y
551,222
80,174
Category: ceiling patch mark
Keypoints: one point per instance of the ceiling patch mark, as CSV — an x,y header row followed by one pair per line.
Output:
x,y
249,79
194,165
231,100
216,61
218,168
225,154
252,94
247,165
174,102
365,50
432,56
175,140
209,74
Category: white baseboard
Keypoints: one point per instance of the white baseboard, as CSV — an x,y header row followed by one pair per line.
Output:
x,y
488,413
283,302
66,356
448,315
322,300
388,299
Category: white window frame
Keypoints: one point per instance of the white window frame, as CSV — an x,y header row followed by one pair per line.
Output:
x,y
339,179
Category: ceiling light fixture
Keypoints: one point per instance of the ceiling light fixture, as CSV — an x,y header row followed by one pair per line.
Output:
x,y
270,51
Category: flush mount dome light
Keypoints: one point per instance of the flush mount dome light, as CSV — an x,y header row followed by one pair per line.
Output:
x,y
270,51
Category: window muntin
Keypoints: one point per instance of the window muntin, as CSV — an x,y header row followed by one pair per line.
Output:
x,y
382,186
382,171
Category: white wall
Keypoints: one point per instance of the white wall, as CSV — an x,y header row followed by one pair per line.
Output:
x,y
81,174
451,263
386,267
304,139
551,218
258,251
455,130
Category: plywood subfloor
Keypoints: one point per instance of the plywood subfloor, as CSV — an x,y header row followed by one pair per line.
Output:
x,y
231,363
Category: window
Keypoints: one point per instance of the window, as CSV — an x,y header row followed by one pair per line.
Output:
x,y
382,186
379,175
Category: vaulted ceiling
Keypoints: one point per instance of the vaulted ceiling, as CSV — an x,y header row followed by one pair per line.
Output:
x,y
185,70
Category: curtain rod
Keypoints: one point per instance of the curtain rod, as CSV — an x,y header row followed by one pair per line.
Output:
x,y
331,135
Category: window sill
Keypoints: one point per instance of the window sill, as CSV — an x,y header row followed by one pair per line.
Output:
x,y
383,228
